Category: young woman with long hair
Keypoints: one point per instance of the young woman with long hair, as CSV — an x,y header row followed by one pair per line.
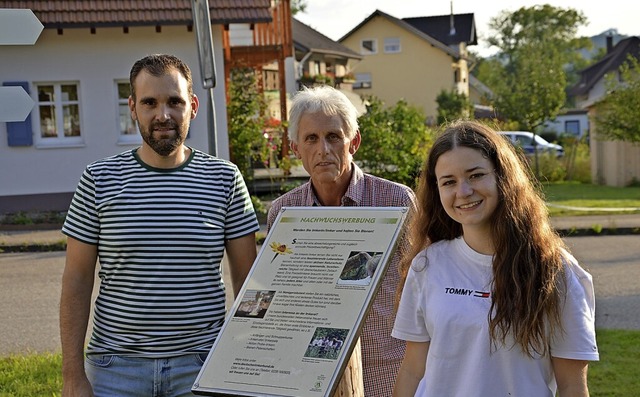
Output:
x,y
492,303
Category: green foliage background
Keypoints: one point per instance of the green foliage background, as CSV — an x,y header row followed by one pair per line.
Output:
x,y
528,76
395,141
618,115
452,106
245,106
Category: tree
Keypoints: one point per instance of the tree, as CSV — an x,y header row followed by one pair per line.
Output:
x,y
529,79
298,6
452,105
539,25
394,141
531,89
617,115
244,111
534,45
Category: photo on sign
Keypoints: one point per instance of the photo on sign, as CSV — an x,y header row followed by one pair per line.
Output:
x,y
326,343
254,304
359,268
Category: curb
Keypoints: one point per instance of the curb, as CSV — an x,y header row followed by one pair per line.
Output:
x,y
571,232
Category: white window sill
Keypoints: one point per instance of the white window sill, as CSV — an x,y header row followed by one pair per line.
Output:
x,y
59,145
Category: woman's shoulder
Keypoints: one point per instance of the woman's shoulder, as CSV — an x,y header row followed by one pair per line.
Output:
x,y
572,267
432,254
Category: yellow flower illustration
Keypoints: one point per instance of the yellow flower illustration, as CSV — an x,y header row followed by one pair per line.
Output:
x,y
279,249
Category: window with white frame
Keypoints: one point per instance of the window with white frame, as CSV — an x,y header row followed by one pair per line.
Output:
x,y
368,46
126,125
59,113
392,45
363,80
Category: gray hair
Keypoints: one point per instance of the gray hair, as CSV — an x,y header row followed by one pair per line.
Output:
x,y
323,99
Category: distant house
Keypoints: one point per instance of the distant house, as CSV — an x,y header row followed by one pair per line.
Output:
x,y
613,163
602,42
78,74
479,93
573,122
412,58
317,60
318,55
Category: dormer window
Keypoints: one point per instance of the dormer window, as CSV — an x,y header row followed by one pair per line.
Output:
x,y
369,46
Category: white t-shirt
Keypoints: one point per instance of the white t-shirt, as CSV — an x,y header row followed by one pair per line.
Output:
x,y
446,300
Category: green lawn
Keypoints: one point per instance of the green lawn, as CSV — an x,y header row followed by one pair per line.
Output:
x,y
615,375
591,196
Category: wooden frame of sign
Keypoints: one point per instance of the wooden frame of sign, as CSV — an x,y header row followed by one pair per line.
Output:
x,y
297,318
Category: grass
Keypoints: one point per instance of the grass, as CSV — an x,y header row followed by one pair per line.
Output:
x,y
591,196
615,375
31,375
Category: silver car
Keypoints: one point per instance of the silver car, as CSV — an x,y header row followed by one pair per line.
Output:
x,y
525,140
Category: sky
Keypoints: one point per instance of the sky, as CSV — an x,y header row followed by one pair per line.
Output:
x,y
335,18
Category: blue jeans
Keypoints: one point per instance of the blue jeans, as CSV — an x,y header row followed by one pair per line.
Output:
x,y
119,376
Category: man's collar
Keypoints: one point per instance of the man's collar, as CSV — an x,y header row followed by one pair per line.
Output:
x,y
354,192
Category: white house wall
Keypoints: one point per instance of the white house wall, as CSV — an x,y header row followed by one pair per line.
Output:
x,y
95,61
557,125
597,92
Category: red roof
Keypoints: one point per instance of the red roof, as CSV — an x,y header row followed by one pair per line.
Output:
x,y
94,13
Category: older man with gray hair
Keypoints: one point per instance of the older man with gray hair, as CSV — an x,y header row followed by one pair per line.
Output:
x,y
324,134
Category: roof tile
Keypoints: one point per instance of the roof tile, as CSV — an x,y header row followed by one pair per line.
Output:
x,y
80,13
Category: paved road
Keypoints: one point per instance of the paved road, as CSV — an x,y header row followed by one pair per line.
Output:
x,y
614,263
30,288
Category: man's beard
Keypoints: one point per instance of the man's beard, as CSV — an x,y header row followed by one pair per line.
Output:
x,y
164,146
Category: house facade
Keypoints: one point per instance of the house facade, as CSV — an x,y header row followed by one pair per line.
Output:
x,y
77,73
613,163
320,59
402,61
573,122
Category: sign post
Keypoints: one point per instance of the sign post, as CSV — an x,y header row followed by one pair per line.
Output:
x,y
17,27
204,42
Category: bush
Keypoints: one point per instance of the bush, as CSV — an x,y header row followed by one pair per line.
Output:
x,y
395,141
577,159
552,168
575,165
549,136
452,105
244,110
254,139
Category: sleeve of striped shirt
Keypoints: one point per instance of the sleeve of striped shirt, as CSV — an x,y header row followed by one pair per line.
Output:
x,y
241,217
82,222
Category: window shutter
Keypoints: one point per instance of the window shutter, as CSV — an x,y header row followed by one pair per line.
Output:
x,y
19,133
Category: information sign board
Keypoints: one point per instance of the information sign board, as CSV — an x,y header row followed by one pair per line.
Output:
x,y
298,316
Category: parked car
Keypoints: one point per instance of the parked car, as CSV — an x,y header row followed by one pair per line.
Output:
x,y
525,140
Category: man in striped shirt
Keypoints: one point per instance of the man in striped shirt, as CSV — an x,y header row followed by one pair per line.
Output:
x,y
158,218
323,131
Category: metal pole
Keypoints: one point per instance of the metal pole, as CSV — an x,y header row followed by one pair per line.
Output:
x,y
211,122
204,42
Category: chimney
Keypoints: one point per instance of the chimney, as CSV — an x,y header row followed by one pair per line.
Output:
x,y
609,42
452,26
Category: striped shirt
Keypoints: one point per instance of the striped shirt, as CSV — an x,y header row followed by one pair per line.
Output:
x,y
381,354
160,235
